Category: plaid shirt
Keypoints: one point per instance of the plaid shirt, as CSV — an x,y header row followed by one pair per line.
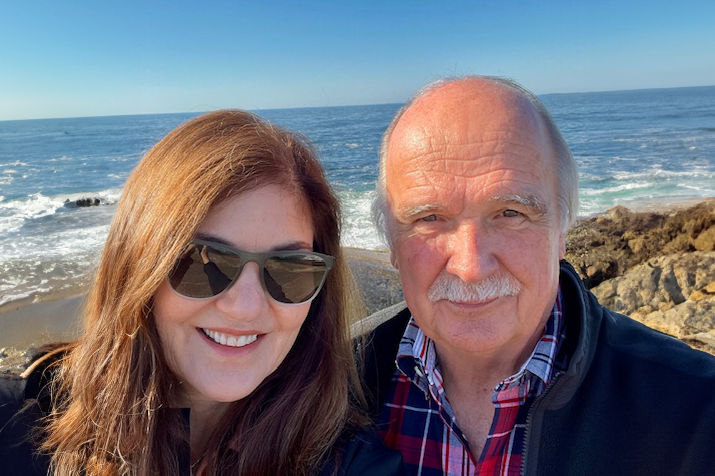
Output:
x,y
421,422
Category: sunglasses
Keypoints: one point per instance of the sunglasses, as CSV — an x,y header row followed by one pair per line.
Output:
x,y
206,269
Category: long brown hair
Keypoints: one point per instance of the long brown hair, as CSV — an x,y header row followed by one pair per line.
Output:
x,y
113,390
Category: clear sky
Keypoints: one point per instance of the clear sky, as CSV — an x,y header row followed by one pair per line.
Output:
x,y
94,58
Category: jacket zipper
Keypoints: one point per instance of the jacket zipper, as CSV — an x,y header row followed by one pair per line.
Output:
x,y
529,416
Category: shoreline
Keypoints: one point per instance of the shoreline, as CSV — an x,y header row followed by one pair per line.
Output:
x,y
55,316
662,205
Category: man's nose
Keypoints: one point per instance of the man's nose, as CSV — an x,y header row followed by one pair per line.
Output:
x,y
246,299
471,253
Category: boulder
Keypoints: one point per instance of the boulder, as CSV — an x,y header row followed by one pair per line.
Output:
x,y
607,246
378,281
705,240
673,294
83,202
668,280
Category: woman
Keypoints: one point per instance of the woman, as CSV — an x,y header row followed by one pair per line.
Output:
x,y
207,319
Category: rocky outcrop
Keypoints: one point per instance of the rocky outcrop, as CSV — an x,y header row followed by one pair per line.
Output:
x,y
15,361
674,294
378,281
606,246
83,202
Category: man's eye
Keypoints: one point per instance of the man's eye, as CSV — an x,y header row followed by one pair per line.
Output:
x,y
429,218
510,213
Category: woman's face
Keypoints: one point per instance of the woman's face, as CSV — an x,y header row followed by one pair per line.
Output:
x,y
265,219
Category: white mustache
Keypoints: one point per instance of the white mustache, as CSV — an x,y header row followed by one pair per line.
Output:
x,y
452,288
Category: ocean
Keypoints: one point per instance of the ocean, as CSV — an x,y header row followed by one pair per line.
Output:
x,y
629,145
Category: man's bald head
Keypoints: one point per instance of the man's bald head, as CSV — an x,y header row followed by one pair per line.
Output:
x,y
451,101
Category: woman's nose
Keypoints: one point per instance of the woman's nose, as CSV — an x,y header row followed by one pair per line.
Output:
x,y
246,299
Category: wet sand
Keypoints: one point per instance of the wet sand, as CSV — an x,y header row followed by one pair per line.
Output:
x,y
24,325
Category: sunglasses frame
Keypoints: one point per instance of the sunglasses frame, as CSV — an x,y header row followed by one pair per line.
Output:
x,y
260,259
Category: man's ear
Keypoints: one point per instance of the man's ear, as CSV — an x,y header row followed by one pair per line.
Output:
x,y
562,245
393,259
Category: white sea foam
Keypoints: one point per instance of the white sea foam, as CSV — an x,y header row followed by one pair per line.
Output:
x,y
693,172
358,230
15,213
619,188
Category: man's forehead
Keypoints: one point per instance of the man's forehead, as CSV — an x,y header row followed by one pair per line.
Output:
x,y
469,113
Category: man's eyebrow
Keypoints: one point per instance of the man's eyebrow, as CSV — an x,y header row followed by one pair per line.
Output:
x,y
407,213
534,203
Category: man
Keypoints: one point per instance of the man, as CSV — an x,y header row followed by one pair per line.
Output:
x,y
502,362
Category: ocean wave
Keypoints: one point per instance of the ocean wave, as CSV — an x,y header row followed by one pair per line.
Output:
x,y
695,172
358,230
16,212
616,189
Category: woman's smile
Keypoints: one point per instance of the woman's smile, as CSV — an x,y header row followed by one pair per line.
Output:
x,y
223,347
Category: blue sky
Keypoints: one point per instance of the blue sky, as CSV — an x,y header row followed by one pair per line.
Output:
x,y
89,58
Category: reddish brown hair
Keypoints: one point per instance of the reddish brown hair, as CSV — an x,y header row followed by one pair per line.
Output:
x,y
113,387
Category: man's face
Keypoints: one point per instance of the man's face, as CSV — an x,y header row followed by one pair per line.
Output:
x,y
472,187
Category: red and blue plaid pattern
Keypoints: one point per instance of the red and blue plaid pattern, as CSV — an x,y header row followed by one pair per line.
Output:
x,y
420,423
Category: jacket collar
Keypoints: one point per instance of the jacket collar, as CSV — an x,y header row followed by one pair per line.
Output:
x,y
378,337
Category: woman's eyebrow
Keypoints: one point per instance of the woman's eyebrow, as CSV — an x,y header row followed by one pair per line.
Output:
x,y
292,246
287,246
212,238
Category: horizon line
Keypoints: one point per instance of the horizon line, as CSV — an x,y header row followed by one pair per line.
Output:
x,y
328,107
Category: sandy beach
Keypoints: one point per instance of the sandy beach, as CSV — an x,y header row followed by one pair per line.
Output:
x,y
36,323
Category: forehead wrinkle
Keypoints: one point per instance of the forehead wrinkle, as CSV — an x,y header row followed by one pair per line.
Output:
x,y
452,160
420,139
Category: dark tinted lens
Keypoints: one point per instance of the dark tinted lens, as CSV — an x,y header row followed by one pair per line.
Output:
x,y
203,272
294,278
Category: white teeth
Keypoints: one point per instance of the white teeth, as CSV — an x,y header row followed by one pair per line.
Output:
x,y
230,341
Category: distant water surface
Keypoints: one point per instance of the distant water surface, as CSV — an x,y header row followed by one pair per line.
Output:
x,y
630,145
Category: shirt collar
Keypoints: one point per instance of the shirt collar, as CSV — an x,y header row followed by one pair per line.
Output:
x,y
417,355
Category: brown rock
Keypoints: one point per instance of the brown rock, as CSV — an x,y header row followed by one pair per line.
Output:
x,y
636,244
704,293
679,244
660,283
608,246
378,282
705,240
